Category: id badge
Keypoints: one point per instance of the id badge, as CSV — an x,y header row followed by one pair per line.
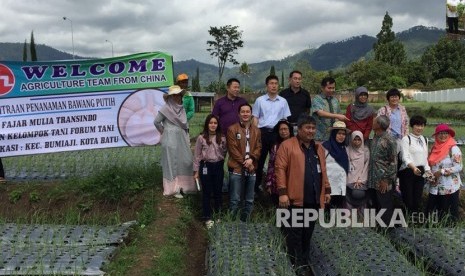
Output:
x,y
204,170
318,168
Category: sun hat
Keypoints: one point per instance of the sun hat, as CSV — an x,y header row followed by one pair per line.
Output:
x,y
339,125
444,127
182,77
173,90
355,197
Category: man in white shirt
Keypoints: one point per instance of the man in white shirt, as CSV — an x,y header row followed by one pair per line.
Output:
x,y
452,16
267,111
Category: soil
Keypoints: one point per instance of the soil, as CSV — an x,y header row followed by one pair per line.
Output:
x,y
23,203
197,249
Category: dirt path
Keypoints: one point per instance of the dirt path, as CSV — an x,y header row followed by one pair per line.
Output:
x,y
168,215
197,246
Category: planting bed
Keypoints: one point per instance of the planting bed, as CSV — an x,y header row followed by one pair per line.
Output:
x,y
443,249
356,251
62,165
58,249
246,249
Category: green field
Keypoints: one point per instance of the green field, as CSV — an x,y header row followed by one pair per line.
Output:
x,y
111,175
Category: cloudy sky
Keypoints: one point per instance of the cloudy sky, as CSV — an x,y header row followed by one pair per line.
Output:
x,y
271,29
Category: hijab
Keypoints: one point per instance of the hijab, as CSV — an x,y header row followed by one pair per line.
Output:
x,y
361,111
174,113
440,150
358,158
337,150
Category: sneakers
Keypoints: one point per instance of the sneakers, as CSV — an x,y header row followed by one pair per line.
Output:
x,y
178,195
209,224
2,180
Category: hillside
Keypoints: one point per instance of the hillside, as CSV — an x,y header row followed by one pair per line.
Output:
x,y
418,38
339,54
329,56
14,52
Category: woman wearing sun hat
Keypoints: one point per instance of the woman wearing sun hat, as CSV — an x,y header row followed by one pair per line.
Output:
x,y
445,161
176,158
337,162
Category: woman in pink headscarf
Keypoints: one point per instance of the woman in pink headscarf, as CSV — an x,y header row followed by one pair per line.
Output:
x,y
359,157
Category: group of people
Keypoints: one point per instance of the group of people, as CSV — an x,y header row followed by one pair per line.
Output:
x,y
318,157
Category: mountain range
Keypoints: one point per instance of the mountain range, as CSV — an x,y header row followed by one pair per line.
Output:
x,y
329,56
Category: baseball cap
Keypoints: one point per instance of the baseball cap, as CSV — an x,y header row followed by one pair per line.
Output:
x,y
182,77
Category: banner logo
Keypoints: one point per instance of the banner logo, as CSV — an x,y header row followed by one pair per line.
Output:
x,y
7,80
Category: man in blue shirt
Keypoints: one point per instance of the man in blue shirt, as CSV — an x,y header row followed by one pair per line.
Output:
x,y
267,111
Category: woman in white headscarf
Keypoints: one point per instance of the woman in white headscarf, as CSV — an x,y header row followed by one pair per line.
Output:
x,y
176,158
359,157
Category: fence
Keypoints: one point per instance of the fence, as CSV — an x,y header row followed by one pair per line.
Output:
x,y
441,96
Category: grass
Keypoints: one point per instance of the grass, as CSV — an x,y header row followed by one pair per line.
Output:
x,y
171,253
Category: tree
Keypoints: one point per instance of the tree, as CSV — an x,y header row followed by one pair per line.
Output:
x,y
214,85
444,83
414,72
372,74
196,81
272,71
282,79
387,48
33,48
245,71
311,79
25,50
445,60
386,34
226,41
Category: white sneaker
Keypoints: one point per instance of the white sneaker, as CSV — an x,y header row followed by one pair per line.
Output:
x,y
178,196
209,223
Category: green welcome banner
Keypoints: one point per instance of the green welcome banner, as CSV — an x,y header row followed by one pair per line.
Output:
x,y
81,104
24,79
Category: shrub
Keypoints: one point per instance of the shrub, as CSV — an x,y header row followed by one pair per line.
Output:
x,y
114,183
15,196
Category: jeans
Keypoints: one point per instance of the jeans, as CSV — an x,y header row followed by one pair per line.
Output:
x,y
241,186
212,183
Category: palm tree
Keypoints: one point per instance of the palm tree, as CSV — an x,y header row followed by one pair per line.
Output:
x,y
244,70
